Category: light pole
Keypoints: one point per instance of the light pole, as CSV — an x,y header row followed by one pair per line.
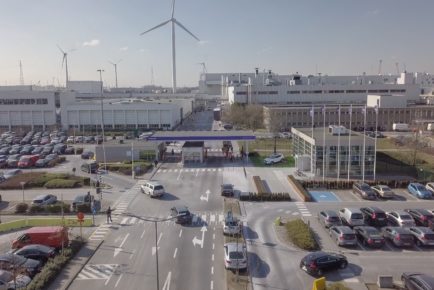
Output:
x,y
155,221
102,118
22,187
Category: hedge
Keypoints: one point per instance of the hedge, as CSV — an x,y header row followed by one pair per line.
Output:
x,y
274,196
344,184
39,179
62,183
299,189
85,208
21,207
53,267
36,209
57,208
337,286
301,235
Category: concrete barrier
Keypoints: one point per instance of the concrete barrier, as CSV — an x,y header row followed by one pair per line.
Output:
x,y
385,282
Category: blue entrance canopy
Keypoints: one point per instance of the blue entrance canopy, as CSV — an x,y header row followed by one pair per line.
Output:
x,y
201,136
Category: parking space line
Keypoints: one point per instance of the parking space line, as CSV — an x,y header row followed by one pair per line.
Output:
x,y
361,246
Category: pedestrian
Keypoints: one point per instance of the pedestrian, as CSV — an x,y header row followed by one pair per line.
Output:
x,y
109,214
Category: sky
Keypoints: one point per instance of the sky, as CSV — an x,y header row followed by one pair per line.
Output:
x,y
333,37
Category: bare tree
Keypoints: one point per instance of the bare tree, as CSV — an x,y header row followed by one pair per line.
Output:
x,y
244,116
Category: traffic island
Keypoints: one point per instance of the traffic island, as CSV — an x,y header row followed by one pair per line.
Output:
x,y
40,222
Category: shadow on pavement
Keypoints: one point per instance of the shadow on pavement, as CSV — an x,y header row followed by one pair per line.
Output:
x,y
334,276
258,268
168,197
249,233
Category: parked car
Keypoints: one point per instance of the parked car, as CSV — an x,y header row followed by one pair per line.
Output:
x,y
44,199
422,217
364,190
37,150
42,162
273,159
343,235
374,216
429,185
227,189
52,236
69,150
11,262
181,214
87,155
369,236
27,161
419,190
400,218
423,236
317,263
89,167
70,139
152,188
59,148
51,157
329,218
417,281
232,226
400,237
89,139
383,191
13,160
83,199
10,173
351,217
235,256
10,281
37,252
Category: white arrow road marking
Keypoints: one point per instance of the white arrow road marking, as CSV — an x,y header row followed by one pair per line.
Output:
x,y
206,197
153,248
197,241
119,249
166,285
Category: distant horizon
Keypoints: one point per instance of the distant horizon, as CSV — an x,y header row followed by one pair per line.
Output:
x,y
335,37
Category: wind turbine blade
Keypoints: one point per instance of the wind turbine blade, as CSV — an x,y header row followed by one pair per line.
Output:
x,y
173,8
183,27
71,50
61,50
155,27
111,62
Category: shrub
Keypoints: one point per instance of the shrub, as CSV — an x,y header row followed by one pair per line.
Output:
x,y
21,207
301,235
41,180
61,183
36,209
274,196
337,286
57,208
85,207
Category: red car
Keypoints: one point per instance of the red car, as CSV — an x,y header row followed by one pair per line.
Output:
x,y
27,161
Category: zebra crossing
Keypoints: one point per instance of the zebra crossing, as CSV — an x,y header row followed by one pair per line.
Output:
x,y
201,218
189,170
301,206
97,272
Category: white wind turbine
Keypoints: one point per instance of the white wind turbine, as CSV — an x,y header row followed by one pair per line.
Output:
x,y
65,60
115,64
173,22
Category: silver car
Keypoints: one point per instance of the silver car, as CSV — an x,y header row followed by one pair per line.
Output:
x,y
235,256
44,199
400,218
329,218
423,236
232,225
343,235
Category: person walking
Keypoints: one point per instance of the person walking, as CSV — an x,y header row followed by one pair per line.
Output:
x,y
109,214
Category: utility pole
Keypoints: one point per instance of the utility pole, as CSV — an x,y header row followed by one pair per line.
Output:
x,y
102,118
21,74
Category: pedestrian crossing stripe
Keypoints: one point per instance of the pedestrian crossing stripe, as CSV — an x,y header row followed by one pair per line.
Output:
x,y
97,271
199,218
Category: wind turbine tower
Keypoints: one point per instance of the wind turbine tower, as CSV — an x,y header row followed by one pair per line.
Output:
x,y
21,74
115,64
173,21
203,67
65,61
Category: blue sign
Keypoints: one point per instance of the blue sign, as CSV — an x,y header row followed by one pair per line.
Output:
x,y
323,196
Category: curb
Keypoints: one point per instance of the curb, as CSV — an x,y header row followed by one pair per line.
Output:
x,y
72,278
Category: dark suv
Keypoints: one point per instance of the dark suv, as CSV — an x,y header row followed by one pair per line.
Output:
x,y
181,214
227,190
364,190
422,217
417,281
369,236
374,216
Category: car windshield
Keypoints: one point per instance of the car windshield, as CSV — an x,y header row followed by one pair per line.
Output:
x,y
37,200
420,187
357,216
26,159
405,217
231,223
227,186
158,187
236,255
365,187
385,189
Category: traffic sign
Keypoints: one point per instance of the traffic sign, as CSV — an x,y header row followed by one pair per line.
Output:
x,y
80,216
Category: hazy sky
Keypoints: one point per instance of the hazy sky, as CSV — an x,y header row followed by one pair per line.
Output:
x,y
333,37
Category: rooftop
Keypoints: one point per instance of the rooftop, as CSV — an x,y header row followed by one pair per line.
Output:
x,y
318,136
201,135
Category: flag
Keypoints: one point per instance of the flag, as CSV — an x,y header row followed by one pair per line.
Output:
x,y
312,112
350,109
376,109
364,110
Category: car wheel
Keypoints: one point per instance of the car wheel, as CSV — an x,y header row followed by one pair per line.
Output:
x,y
343,265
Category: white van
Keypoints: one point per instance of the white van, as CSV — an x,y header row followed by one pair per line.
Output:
x,y
351,216
153,188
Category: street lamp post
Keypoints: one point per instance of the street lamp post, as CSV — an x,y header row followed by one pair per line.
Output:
x,y
22,187
102,118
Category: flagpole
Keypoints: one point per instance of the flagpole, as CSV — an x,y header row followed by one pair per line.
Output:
x,y
375,144
349,143
339,144
312,114
323,146
364,144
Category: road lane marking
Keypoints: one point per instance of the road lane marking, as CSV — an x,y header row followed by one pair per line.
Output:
x,y
119,249
212,257
133,220
179,175
197,172
174,254
213,246
180,232
212,218
119,279
132,254
212,285
166,285
213,236
212,270
143,234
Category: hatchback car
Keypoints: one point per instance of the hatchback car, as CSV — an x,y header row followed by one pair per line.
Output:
x,y
400,218
10,261
10,281
181,214
227,189
42,162
274,158
374,216
232,226
423,236
329,218
235,256
87,155
417,281
383,191
400,237
36,252
419,190
44,199
364,190
370,236
317,263
422,217
343,235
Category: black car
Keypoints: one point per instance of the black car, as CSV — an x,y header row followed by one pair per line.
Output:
x,y
181,214
369,236
36,252
42,162
417,281
10,261
69,150
374,216
227,190
87,155
317,263
89,167
422,217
